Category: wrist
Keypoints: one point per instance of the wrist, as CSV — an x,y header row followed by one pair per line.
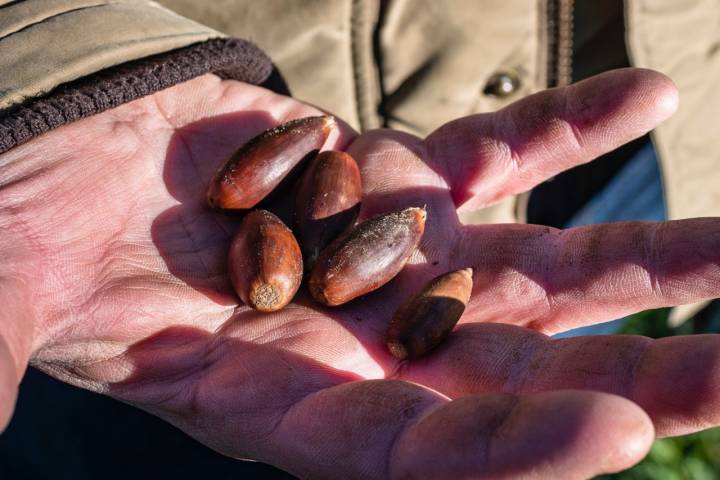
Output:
x,y
18,264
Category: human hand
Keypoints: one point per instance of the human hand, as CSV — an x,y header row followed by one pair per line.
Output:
x,y
121,269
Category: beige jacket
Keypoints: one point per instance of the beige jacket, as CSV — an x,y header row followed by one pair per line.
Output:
x,y
425,61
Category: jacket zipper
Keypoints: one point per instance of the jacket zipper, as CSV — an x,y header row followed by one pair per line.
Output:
x,y
364,17
560,42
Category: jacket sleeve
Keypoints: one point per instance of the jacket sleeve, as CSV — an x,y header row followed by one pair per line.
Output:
x,y
62,60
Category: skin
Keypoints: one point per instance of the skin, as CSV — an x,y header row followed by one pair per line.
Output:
x,y
113,277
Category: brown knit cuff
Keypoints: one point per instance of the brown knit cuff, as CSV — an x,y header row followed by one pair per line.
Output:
x,y
227,57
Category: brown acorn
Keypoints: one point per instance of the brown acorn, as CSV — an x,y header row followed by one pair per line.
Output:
x,y
426,319
254,170
327,201
366,257
265,263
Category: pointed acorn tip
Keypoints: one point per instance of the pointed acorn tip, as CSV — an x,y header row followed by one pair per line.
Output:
x,y
422,212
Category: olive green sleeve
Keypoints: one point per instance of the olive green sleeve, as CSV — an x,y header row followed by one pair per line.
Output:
x,y
61,60
47,43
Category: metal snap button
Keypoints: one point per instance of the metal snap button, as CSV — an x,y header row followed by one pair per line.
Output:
x,y
501,84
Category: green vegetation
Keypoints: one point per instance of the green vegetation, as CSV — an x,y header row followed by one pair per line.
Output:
x,y
691,457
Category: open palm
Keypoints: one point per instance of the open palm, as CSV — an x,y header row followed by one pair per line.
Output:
x,y
130,295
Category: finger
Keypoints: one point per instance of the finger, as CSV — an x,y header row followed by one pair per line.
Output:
x,y
552,280
676,380
391,429
487,157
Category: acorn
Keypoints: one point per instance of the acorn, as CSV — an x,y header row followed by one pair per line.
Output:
x,y
327,201
265,263
255,169
366,257
427,318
